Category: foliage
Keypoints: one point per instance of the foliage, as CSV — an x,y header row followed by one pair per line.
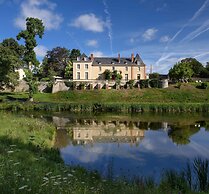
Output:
x,y
12,44
9,62
107,74
202,173
181,72
203,85
32,83
34,27
154,76
154,83
69,70
195,65
131,84
55,62
112,75
144,83
74,54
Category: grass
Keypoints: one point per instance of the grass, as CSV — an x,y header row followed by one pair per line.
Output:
x,y
30,164
186,99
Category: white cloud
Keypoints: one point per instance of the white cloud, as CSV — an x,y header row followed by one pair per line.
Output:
x,y
98,53
92,43
149,34
164,38
40,51
42,9
89,22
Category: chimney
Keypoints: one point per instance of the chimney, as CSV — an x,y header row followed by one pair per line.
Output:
x,y
118,57
92,57
132,57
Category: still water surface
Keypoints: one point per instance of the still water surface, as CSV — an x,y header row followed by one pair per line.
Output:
x,y
128,146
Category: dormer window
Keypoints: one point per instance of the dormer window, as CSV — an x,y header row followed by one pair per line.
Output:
x,y
126,63
100,63
113,63
85,59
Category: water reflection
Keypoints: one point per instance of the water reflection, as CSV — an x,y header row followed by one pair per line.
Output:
x,y
127,146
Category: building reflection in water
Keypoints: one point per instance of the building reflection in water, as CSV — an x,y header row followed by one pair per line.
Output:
x,y
91,131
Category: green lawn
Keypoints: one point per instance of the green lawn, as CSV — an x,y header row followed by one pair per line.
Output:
x,y
186,99
188,93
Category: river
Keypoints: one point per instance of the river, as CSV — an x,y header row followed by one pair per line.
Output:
x,y
130,146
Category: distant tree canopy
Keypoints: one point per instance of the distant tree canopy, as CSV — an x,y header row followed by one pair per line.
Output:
x,y
11,54
181,72
154,75
195,65
58,62
188,68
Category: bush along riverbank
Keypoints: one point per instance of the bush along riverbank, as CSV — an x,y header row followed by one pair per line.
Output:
x,y
106,107
30,164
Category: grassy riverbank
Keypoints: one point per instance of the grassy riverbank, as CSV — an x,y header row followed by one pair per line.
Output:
x,y
186,99
29,163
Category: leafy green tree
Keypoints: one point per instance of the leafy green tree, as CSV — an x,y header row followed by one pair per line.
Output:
x,y
69,70
107,74
154,76
12,44
195,65
9,62
181,72
55,62
34,27
74,54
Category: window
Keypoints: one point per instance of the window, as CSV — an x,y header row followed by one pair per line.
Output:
x,y
126,68
113,68
138,76
99,76
78,75
78,66
100,68
126,77
86,75
86,66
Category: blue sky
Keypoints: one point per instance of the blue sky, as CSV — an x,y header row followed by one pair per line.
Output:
x,y
161,31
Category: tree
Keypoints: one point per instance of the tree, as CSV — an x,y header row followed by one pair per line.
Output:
x,y
12,44
195,65
69,71
154,76
181,72
55,62
9,62
34,27
107,74
74,54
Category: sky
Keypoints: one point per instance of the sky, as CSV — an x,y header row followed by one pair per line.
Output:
x,y
162,31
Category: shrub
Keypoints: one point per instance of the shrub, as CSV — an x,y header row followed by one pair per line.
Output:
x,y
144,83
154,83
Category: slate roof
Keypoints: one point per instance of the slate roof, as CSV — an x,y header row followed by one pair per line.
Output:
x,y
113,61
